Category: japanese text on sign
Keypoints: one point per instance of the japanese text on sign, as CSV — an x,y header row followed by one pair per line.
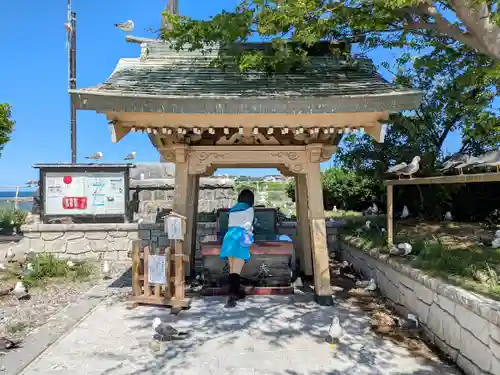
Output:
x,y
156,269
71,203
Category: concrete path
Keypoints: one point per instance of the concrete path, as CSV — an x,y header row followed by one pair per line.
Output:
x,y
263,335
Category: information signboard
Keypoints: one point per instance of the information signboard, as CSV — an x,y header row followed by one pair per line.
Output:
x,y
84,193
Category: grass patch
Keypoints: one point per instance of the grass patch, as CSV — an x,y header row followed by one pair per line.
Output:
x,y
46,267
439,253
11,218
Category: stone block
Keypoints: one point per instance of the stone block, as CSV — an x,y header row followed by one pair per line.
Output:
x,y
70,236
78,247
99,245
56,246
473,323
474,350
32,235
51,236
145,195
495,348
434,320
467,366
408,298
423,293
223,194
445,303
145,234
494,332
495,366
117,234
120,244
96,235
422,310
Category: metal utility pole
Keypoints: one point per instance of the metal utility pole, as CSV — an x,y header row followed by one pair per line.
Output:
x,y
71,28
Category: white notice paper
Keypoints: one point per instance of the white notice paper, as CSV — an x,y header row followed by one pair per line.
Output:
x,y
156,269
174,228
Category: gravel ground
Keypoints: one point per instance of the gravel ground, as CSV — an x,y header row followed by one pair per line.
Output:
x,y
385,318
19,318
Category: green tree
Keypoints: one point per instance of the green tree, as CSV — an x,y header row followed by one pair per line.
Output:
x,y
458,97
6,125
389,23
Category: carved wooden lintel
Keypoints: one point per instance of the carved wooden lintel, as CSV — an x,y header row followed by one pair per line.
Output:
x,y
117,130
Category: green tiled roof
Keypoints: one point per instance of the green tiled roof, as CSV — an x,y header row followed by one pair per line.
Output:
x,y
172,81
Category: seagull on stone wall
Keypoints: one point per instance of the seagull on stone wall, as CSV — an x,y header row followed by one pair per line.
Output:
x,y
130,156
125,26
96,156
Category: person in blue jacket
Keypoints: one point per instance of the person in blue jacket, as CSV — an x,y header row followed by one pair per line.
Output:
x,y
237,241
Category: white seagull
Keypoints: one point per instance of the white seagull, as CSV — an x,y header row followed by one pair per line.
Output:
x,y
125,26
130,156
335,332
96,156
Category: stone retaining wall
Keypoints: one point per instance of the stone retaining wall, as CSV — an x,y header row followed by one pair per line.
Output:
x,y
464,325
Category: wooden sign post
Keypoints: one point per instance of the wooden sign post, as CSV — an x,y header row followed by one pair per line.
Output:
x,y
158,276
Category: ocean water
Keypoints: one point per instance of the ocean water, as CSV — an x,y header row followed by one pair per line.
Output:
x,y
7,199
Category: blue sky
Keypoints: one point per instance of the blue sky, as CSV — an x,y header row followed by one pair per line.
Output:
x,y
34,77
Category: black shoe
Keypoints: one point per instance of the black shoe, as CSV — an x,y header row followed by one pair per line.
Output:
x,y
231,302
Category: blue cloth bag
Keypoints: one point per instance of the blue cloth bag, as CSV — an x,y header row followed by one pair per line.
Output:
x,y
237,241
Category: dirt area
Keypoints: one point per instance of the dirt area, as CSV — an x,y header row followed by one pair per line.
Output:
x,y
19,317
385,320
452,234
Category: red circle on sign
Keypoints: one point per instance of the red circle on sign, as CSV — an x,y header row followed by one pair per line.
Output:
x,y
67,180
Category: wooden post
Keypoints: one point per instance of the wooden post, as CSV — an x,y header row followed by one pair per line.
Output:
x,y
303,229
321,261
147,289
191,214
136,265
390,209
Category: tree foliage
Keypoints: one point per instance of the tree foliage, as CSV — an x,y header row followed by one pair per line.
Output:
x,y
346,190
6,125
373,23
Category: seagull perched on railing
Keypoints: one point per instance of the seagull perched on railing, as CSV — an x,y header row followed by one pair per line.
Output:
x,y
96,156
125,26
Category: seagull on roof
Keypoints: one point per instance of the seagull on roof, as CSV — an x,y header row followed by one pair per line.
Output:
x,y
130,156
96,156
125,26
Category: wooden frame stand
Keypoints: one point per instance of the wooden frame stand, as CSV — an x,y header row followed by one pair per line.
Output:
x,y
172,294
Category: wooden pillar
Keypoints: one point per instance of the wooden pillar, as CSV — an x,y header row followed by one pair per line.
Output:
x,y
390,210
181,193
191,224
303,227
321,263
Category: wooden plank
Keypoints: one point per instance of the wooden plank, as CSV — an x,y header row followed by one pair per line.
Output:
x,y
168,288
179,272
456,179
157,287
136,260
151,300
390,213
147,289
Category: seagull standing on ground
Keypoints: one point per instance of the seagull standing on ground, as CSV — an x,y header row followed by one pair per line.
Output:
x,y
96,156
166,331
125,26
405,213
335,332
410,169
130,156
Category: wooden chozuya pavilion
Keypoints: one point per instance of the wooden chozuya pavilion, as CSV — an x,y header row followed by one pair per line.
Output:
x,y
202,118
